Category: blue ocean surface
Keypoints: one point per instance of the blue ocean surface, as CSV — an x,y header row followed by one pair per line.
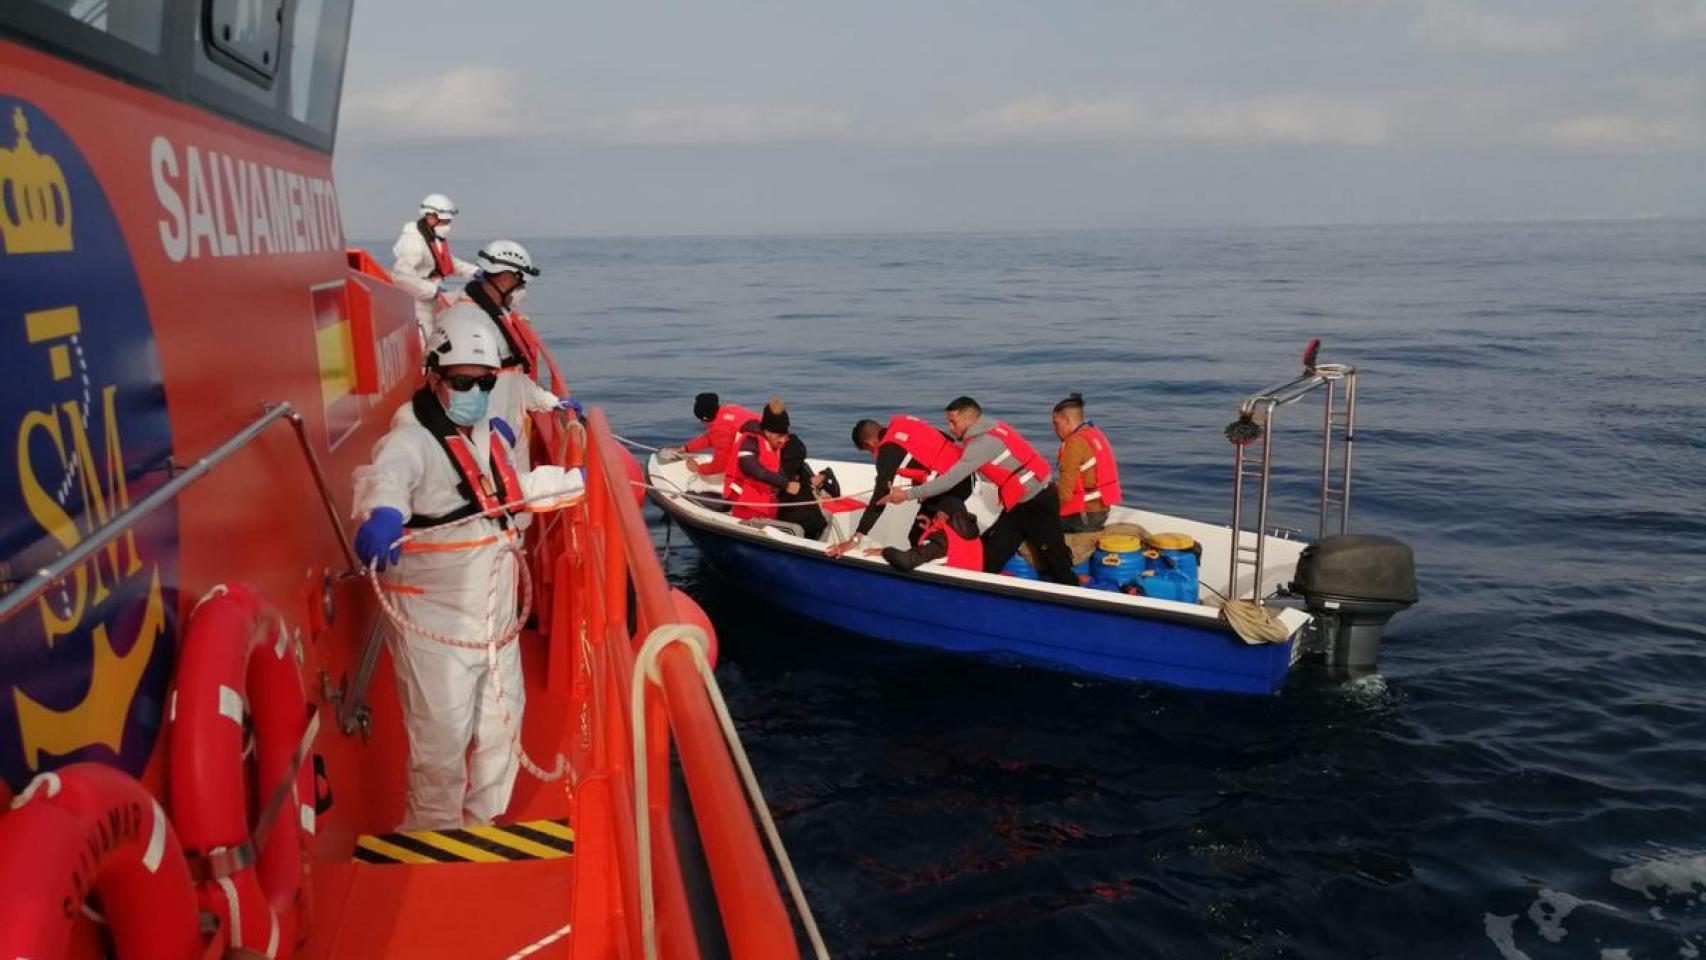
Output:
x,y
1525,778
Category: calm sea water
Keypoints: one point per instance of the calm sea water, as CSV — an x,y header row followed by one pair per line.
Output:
x,y
1527,777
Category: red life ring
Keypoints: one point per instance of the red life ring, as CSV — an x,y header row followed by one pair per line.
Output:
x,y
89,828
238,660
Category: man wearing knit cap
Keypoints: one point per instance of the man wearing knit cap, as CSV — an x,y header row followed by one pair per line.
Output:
x,y
723,423
768,470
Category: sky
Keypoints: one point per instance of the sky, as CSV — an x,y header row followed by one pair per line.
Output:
x,y
556,118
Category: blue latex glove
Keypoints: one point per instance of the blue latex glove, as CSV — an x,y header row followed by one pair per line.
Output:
x,y
570,403
376,541
501,427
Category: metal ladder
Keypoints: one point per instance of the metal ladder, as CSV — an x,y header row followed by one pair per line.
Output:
x,y
1253,459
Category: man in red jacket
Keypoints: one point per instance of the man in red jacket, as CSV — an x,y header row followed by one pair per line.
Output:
x,y
723,424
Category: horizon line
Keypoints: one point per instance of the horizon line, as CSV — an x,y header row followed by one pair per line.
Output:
x,y
1041,231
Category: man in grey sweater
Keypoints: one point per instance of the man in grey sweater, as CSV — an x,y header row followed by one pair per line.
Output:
x,y
1030,505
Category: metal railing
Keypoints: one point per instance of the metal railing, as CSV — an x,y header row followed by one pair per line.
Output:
x,y
33,586
1338,421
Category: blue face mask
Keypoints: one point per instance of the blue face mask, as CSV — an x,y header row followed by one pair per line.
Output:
x,y
467,407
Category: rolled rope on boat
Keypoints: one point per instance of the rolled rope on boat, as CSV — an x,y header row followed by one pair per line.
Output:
x,y
1253,622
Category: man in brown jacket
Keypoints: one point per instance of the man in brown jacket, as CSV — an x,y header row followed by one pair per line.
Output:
x,y
1088,478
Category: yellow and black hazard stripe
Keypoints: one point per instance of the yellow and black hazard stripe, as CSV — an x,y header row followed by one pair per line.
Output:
x,y
533,840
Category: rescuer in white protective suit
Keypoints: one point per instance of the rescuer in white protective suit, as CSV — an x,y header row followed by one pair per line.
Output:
x,y
493,297
448,457
424,260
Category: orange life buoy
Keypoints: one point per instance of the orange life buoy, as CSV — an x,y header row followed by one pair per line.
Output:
x,y
89,828
239,663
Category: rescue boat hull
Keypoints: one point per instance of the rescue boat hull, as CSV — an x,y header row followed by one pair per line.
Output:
x,y
990,617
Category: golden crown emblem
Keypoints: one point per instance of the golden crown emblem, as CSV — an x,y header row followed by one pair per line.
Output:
x,y
35,203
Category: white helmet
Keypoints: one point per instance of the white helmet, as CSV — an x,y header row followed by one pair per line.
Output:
x,y
463,337
506,256
440,204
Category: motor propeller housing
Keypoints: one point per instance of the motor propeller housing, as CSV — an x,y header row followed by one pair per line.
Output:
x,y
1353,583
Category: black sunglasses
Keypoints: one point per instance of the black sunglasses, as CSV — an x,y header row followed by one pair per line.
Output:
x,y
462,381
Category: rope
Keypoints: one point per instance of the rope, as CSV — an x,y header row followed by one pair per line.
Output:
x,y
697,497
695,640
492,644
637,445
676,490
541,943
1253,622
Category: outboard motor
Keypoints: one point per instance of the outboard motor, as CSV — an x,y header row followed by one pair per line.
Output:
x,y
1353,583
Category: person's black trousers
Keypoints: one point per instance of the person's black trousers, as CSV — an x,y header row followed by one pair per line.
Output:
x,y
807,513
1037,521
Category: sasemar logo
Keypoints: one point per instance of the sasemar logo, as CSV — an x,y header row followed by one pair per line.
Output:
x,y
83,671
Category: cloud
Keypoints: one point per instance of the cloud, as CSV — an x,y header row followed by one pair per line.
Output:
x,y
1279,119
1676,19
1042,117
1453,25
735,123
1620,132
465,103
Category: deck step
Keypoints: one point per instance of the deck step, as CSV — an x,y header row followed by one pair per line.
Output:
x,y
498,843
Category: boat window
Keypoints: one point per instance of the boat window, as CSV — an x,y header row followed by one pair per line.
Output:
x,y
318,32
246,34
136,22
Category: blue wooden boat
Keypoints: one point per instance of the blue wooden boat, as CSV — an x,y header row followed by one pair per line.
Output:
x,y
995,616
1353,586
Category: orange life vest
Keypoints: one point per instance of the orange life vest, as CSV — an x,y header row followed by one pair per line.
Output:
x,y
750,497
731,417
484,493
721,436
523,342
443,264
964,553
524,345
1015,465
928,451
1106,492
725,429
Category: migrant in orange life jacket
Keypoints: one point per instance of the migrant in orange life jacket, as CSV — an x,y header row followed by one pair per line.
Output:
x,y
1106,491
964,553
752,498
924,445
1017,464
720,437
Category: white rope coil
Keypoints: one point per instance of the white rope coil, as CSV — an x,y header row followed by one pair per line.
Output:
x,y
1253,622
